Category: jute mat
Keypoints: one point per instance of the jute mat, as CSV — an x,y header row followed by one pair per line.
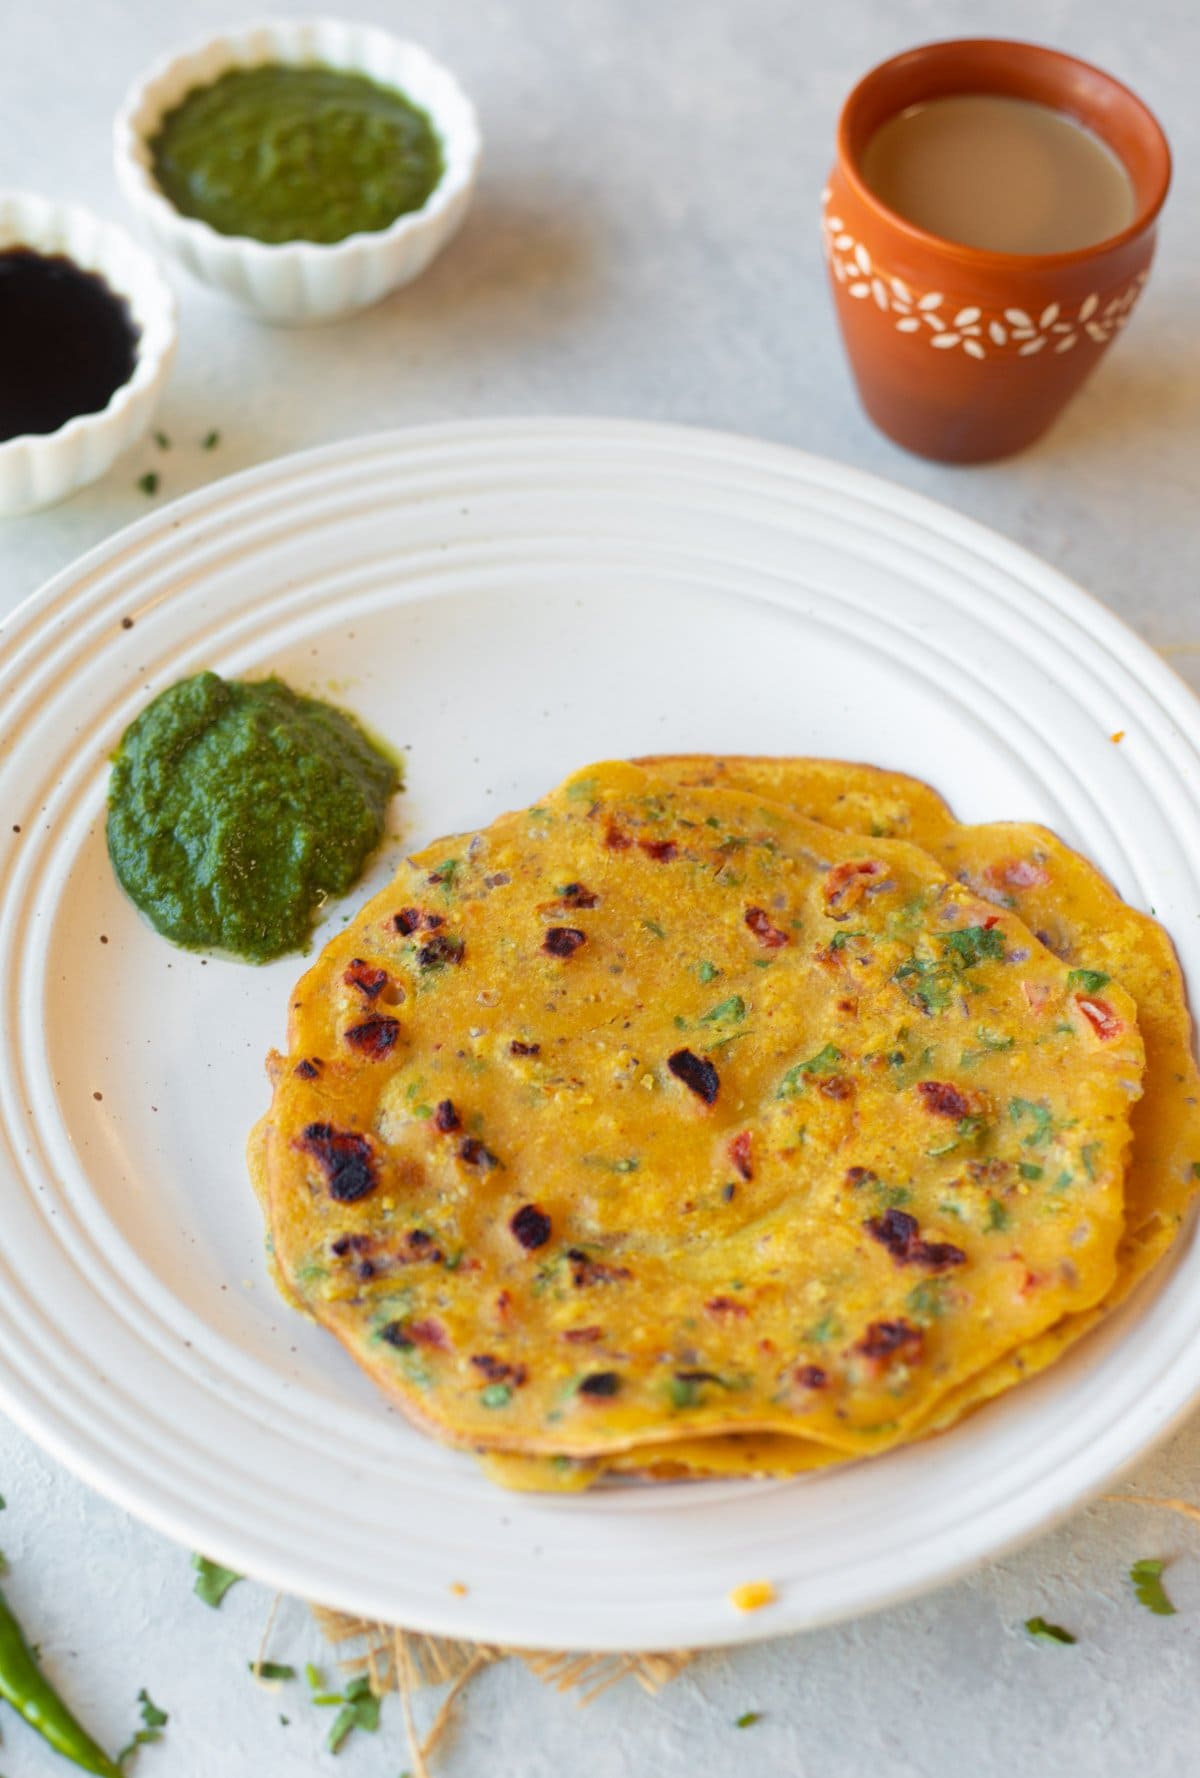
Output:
x,y
405,1661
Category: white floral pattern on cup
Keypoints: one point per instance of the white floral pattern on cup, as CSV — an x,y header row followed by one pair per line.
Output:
x,y
978,332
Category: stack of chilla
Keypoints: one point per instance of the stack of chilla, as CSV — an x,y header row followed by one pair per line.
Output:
x,y
726,1117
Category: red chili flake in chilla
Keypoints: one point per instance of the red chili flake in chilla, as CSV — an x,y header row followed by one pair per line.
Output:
x,y
497,1371
601,1384
884,1339
847,883
617,841
345,1157
699,1076
583,1336
578,895
1017,873
563,941
309,1068
726,1305
662,851
366,978
586,1271
943,1099
429,1332
1100,1016
531,1226
475,1154
809,1376
440,950
375,1037
767,934
740,1154
517,1048
901,1235
410,920
445,1117
836,1086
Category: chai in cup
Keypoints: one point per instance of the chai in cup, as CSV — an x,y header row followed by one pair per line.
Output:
x,y
1008,175
989,224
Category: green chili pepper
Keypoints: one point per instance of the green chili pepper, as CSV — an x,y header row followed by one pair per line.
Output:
x,y
26,1688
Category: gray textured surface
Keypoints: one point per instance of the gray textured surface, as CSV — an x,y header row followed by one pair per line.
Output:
x,y
644,243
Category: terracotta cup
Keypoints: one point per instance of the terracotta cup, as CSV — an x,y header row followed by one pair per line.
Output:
x,y
959,353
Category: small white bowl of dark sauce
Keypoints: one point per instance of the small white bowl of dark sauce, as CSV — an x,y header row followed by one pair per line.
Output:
x,y
87,336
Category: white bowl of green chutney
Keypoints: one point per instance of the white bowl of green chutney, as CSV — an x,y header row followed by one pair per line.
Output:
x,y
304,168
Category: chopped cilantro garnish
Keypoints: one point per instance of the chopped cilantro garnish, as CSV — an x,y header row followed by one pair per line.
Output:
x,y
1146,1576
360,1710
892,1197
680,1022
1090,980
153,1722
1195,1175
213,1581
654,927
210,441
974,943
1041,1631
271,1670
932,985
824,1062
1087,1155
496,1395
162,441
826,1329
707,971
581,789
763,962
997,1217
989,1044
840,940
747,1719
926,984
730,1011
148,483
1043,1123
446,873
927,1300
1029,1170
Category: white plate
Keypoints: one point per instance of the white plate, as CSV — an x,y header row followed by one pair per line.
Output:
x,y
511,600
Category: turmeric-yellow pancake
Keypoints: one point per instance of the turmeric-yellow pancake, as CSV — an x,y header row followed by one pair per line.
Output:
x,y
732,1454
653,1113
1067,901
1072,908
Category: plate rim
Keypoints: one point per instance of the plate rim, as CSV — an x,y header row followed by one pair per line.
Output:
x,y
1164,686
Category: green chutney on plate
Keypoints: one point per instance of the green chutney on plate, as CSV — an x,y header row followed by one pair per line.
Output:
x,y
286,152
236,809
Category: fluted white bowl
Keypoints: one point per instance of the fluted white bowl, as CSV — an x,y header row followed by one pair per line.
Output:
x,y
40,468
298,282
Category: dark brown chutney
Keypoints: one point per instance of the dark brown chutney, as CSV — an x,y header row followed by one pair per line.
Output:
x,y
67,342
